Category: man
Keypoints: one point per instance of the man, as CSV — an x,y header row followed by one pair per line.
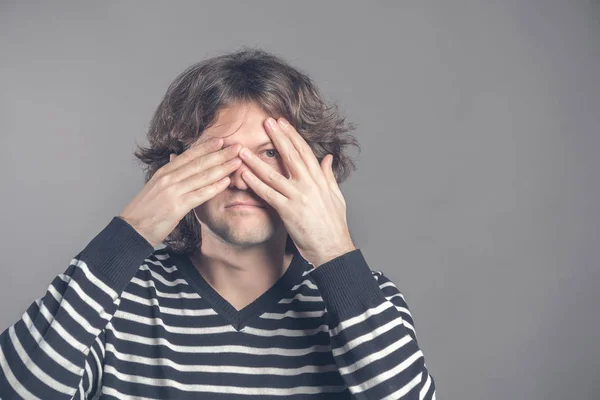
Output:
x,y
259,291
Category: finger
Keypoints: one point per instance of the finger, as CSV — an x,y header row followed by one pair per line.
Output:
x,y
286,149
204,162
200,148
206,178
198,197
274,198
268,174
304,150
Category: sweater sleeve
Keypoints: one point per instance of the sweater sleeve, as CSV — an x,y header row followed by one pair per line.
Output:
x,y
56,349
372,332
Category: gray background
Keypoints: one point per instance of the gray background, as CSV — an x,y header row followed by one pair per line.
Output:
x,y
477,188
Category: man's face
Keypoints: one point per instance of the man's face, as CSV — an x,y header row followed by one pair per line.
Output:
x,y
242,226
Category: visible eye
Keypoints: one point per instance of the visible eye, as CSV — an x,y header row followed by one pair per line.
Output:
x,y
272,150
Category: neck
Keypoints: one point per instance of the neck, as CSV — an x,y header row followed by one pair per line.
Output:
x,y
242,274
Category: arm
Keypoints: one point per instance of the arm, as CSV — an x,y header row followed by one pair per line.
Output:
x,y
372,332
46,354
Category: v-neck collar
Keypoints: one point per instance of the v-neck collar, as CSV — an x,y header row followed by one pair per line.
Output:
x,y
239,319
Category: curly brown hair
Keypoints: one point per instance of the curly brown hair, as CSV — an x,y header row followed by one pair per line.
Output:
x,y
194,98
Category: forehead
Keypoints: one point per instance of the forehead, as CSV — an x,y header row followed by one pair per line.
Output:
x,y
240,123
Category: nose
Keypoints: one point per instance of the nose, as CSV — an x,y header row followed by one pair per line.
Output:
x,y
236,178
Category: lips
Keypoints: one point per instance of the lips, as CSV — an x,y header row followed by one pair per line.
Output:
x,y
245,203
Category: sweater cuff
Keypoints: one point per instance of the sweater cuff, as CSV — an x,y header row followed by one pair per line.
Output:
x,y
347,285
117,252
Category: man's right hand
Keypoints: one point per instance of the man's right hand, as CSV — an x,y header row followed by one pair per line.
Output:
x,y
187,181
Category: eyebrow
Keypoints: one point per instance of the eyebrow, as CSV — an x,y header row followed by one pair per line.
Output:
x,y
268,142
265,143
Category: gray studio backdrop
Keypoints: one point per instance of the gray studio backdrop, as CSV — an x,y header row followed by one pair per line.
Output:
x,y
477,188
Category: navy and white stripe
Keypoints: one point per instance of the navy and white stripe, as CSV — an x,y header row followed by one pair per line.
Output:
x,y
128,321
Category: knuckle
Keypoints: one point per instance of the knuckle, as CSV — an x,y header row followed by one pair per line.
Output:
x,y
304,200
224,154
210,190
230,151
169,191
214,143
213,174
272,177
209,145
178,208
234,162
199,164
158,173
185,155
164,181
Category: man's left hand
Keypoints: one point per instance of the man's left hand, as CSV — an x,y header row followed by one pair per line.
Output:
x,y
310,202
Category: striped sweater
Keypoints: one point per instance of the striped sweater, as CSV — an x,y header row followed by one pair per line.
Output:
x,y
129,321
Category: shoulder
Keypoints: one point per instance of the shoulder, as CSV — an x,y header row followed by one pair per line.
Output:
x,y
162,268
